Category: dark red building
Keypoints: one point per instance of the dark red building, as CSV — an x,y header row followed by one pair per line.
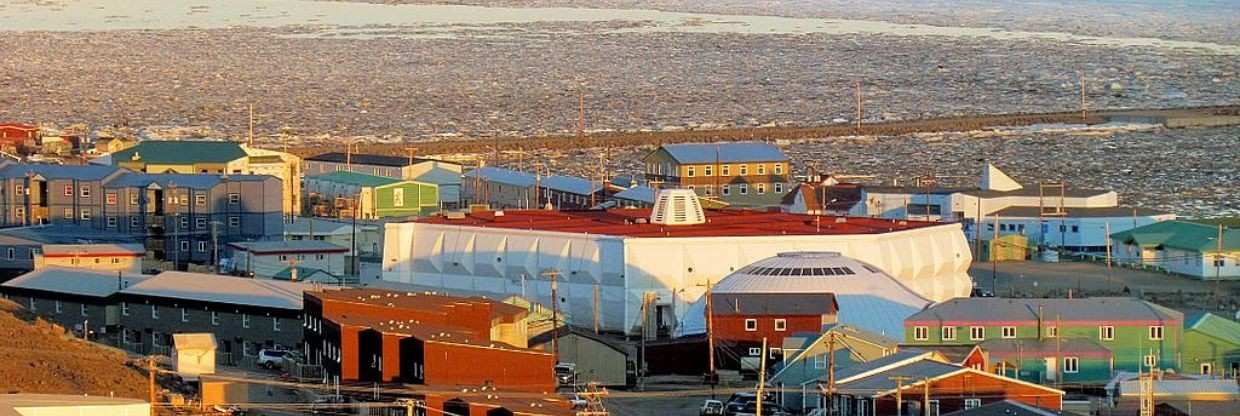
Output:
x,y
742,320
17,136
420,338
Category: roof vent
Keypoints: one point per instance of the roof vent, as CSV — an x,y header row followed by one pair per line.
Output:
x,y
677,207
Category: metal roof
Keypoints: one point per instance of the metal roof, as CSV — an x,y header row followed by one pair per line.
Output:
x,y
222,289
369,159
30,403
732,152
772,303
63,234
80,172
898,358
74,281
194,341
502,175
181,152
177,180
1005,408
1046,347
868,298
1069,212
640,193
68,250
570,184
1009,311
1215,326
320,226
354,178
1182,235
288,246
882,382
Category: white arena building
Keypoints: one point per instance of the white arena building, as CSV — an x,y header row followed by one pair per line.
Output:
x,y
611,262
867,297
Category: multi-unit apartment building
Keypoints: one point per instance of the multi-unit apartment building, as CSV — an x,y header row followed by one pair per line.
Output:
x,y
179,217
1140,335
219,158
745,174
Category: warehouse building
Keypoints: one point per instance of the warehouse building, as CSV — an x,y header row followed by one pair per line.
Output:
x,y
294,260
622,259
1073,229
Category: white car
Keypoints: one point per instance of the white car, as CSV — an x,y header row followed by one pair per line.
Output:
x,y
271,359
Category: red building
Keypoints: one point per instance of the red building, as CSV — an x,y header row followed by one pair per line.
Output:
x,y
743,320
420,338
17,136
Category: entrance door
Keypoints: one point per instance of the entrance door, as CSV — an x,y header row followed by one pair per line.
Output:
x,y
1052,370
1206,369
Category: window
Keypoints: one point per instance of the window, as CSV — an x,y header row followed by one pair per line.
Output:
x,y
234,221
83,309
744,189
761,169
110,198
751,325
744,170
133,198
19,189
111,222
691,171
774,353
781,325
20,212
1052,332
725,190
200,223
12,253
755,351
275,324
921,333
154,312
184,245
1151,360
972,403
725,170
234,198
1106,333
1071,365
85,191
1008,332
184,315
85,214
1076,228
779,187
820,361
200,200
761,187
133,222
398,197
708,170
245,320
183,199
779,168
949,333
33,305
977,333
68,212
68,190
202,246
124,308
1156,333
59,307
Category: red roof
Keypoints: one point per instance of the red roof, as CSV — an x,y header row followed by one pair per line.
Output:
x,y
18,126
720,223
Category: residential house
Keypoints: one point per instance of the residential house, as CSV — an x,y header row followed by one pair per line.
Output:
x,y
742,174
18,138
501,188
806,359
218,158
340,232
1140,334
873,388
106,145
77,298
1206,252
293,260
443,174
570,192
1084,361
345,194
640,196
829,197
376,335
244,314
1211,345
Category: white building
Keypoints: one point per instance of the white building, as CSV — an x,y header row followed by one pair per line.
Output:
x,y
71,405
193,354
1181,247
285,260
1076,229
621,257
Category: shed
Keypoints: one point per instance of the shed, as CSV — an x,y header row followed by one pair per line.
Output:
x,y
193,354
597,359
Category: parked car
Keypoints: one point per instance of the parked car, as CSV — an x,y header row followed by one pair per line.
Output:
x,y
271,358
711,408
566,374
739,400
768,409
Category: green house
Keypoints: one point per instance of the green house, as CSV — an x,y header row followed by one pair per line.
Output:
x,y
1140,334
373,196
1050,360
1211,345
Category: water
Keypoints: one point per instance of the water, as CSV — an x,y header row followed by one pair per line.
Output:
x,y
358,20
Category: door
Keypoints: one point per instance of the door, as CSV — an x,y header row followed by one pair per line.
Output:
x,y
1206,369
1052,370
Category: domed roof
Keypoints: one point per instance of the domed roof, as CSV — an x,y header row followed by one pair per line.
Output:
x,y
868,297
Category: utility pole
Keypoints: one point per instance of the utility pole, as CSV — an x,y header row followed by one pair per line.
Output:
x,y
251,141
994,260
555,312
150,381
761,378
925,396
597,311
357,202
1107,231
1083,106
1218,261
899,392
830,390
215,247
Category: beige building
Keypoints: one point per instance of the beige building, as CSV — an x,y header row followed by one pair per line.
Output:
x,y
215,157
71,405
742,174
110,257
